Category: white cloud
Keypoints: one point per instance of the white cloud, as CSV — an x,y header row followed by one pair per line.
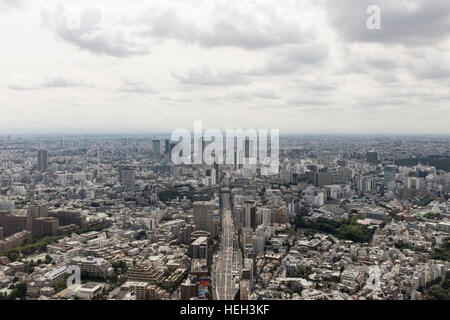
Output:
x,y
24,82
89,29
295,64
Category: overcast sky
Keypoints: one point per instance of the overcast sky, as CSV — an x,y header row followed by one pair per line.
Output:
x,y
301,66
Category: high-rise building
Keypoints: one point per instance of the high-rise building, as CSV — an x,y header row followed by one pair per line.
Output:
x,y
128,179
156,148
372,157
199,248
266,214
167,146
247,148
250,216
258,245
204,216
188,289
42,160
213,176
389,173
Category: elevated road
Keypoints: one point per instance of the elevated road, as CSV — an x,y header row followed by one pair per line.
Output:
x,y
226,285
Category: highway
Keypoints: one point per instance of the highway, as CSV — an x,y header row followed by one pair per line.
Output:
x,y
227,261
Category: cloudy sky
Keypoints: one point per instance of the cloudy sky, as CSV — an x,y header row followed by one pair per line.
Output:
x,y
307,66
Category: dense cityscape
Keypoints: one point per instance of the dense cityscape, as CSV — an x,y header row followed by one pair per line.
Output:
x,y
345,218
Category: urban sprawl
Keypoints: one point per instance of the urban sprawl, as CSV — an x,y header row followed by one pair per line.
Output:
x,y
345,218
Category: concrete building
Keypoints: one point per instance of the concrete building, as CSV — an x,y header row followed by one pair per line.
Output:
x,y
42,161
200,248
45,226
15,223
204,216
128,179
92,265
188,289
52,277
156,148
14,240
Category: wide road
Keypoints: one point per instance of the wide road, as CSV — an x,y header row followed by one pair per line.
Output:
x,y
225,285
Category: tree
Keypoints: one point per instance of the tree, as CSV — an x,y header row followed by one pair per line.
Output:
x,y
441,292
48,259
19,291
119,266
12,256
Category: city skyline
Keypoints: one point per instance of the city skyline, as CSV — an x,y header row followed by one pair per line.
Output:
x,y
299,66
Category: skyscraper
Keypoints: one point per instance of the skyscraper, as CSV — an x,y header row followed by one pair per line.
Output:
x,y
204,216
389,173
250,215
156,148
372,157
42,160
128,179
167,146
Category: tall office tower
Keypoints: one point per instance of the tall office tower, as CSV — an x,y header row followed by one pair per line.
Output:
x,y
199,248
156,148
128,179
240,217
258,245
247,148
389,173
213,176
204,216
266,215
372,157
42,160
250,216
167,146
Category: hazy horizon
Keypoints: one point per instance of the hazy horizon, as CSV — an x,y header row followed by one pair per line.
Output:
x,y
123,132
